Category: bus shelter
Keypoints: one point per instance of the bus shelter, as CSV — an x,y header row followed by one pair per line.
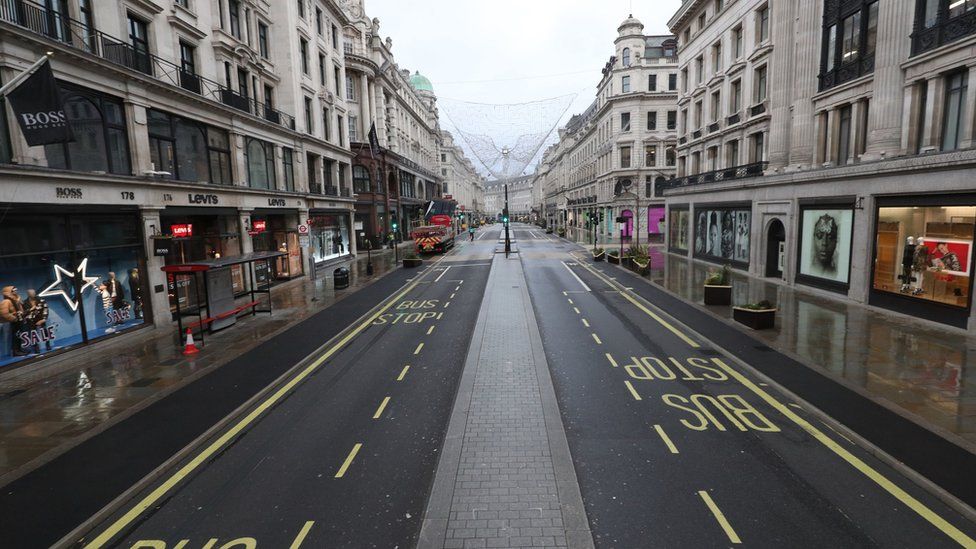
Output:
x,y
221,305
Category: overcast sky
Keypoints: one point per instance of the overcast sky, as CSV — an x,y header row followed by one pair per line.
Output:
x,y
512,51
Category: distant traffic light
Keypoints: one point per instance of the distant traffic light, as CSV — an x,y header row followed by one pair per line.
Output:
x,y
396,225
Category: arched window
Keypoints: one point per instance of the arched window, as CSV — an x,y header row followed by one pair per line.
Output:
x,y
360,179
626,57
98,124
260,164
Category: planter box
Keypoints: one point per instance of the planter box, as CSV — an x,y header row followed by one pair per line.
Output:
x,y
600,256
642,269
412,263
626,261
613,259
757,320
718,295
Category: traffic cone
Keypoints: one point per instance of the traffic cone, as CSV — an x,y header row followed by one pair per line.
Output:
x,y
190,348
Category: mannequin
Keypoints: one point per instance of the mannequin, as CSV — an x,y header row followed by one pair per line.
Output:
x,y
920,264
907,260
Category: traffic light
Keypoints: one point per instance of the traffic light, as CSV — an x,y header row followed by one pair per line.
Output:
x,y
505,216
395,224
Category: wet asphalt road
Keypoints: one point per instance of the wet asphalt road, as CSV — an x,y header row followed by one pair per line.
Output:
x,y
347,458
676,445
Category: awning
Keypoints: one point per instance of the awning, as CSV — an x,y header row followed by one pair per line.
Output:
x,y
203,266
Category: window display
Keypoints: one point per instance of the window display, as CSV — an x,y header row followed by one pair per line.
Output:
x,y
825,244
330,236
655,224
926,253
73,286
199,238
278,232
723,234
679,229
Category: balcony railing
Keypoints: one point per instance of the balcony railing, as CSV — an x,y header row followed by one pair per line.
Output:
x,y
847,72
714,127
944,31
69,32
734,119
746,171
756,110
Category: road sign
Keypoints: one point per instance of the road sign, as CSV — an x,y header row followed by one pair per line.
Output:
x,y
303,230
304,241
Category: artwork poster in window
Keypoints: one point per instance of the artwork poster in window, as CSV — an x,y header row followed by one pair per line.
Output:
x,y
826,244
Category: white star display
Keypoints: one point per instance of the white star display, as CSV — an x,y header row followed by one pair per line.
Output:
x,y
55,289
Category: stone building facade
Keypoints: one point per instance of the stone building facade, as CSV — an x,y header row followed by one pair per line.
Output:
x,y
831,145
608,158
520,197
223,124
462,182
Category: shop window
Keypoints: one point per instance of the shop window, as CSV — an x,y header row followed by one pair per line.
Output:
x,y
844,137
926,253
360,179
188,150
955,110
45,258
722,234
260,164
849,41
98,124
825,247
678,239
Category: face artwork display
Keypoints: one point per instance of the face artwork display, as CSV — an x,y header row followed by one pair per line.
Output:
x,y
723,234
826,244
680,221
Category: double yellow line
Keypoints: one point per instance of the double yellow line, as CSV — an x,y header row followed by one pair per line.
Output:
x,y
216,446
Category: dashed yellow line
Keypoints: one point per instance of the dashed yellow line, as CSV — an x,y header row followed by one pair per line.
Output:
x,y
440,316
431,330
633,392
419,347
612,361
448,304
720,517
597,339
577,310
452,296
300,538
570,301
667,440
901,495
379,411
586,323
403,372
345,464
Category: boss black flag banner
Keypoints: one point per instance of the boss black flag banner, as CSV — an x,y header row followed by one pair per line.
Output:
x,y
374,141
36,103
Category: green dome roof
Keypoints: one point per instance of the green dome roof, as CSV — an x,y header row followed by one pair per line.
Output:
x,y
421,83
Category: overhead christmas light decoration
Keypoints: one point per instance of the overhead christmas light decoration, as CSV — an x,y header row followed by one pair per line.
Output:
x,y
57,287
506,139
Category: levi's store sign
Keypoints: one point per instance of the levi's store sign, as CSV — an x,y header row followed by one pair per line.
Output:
x,y
259,225
183,230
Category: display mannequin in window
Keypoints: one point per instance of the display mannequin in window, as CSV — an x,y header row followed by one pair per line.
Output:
x,y
114,287
907,260
35,316
920,263
12,315
135,290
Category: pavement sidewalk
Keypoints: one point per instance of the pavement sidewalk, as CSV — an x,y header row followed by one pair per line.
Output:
x,y
48,407
916,368
506,477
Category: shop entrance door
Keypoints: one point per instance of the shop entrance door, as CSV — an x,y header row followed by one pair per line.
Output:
x,y
775,249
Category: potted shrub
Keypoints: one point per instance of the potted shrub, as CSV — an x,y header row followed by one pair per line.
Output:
x,y
758,316
640,261
599,254
561,232
411,261
613,256
549,230
718,287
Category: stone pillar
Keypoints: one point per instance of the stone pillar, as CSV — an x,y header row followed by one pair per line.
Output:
x,y
380,109
244,214
135,121
364,108
154,278
237,159
968,139
914,108
862,252
279,170
781,71
352,233
803,134
886,113
934,107
833,132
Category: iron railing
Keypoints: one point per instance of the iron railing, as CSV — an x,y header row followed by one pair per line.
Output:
x,y
746,171
942,31
70,32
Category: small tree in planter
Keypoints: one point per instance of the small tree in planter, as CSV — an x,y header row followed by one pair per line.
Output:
x,y
561,232
758,316
718,287
599,254
412,261
613,256
640,261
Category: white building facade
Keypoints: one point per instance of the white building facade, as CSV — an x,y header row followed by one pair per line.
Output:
x,y
608,158
462,182
831,145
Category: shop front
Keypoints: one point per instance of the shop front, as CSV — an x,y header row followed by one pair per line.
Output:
x,y
278,232
655,224
200,234
329,235
923,258
678,231
68,278
722,233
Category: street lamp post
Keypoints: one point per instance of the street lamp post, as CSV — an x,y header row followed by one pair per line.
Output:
x,y
369,257
508,242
